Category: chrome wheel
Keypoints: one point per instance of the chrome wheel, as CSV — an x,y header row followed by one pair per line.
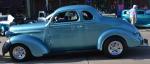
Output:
x,y
115,48
19,52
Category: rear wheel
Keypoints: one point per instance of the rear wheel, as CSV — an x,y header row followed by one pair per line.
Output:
x,y
20,53
114,47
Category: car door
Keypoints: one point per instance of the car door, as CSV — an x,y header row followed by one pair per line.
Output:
x,y
91,30
62,34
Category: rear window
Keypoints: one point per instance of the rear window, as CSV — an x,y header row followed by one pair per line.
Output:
x,y
3,18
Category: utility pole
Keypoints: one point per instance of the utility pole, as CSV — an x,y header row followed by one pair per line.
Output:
x,y
59,2
46,5
28,8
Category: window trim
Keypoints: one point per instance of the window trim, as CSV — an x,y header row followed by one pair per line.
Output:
x,y
76,13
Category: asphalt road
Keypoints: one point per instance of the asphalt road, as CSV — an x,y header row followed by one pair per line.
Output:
x,y
137,55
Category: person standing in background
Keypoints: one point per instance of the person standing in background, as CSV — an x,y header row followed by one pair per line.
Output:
x,y
133,14
120,7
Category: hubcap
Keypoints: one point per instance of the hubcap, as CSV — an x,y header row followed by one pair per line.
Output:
x,y
115,48
19,52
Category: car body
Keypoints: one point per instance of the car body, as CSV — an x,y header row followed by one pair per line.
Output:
x,y
5,21
72,28
143,18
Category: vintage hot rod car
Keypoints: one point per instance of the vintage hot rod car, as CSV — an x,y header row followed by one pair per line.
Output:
x,y
143,18
72,28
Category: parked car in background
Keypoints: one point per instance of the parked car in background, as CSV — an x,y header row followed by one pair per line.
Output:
x,y
143,18
41,16
5,21
72,28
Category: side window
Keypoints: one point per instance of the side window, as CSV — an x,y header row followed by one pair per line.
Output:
x,y
67,16
140,12
87,15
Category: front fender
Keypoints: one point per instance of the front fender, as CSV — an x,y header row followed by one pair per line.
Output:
x,y
115,32
35,45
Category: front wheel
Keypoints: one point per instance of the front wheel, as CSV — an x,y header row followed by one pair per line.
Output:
x,y
114,47
19,53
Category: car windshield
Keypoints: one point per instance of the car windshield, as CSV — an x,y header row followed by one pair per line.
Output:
x,y
3,18
100,12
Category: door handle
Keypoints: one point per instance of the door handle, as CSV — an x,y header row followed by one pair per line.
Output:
x,y
80,26
56,27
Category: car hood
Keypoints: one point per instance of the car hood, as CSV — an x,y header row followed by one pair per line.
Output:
x,y
35,27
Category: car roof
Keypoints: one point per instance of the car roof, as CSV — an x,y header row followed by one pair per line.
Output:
x,y
76,7
136,10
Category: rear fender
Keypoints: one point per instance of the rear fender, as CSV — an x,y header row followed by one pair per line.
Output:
x,y
106,34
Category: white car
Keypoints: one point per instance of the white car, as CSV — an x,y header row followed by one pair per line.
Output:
x,y
5,21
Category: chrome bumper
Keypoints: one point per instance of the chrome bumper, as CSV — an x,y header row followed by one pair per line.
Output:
x,y
144,42
5,48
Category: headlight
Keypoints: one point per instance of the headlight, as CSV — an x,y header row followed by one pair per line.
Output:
x,y
8,33
8,41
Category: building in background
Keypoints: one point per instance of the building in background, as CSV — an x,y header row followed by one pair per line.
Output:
x,y
30,8
12,6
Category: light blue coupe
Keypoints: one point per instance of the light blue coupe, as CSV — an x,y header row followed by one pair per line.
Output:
x,y
69,29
